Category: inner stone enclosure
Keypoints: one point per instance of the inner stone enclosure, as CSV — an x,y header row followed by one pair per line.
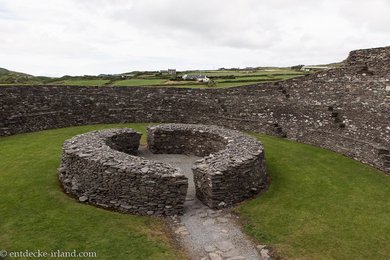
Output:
x,y
102,168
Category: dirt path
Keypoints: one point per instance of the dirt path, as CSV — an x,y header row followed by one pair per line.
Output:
x,y
205,233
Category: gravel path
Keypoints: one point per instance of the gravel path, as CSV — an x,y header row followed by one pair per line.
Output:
x,y
206,233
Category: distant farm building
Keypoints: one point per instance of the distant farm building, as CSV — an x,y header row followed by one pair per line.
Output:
x,y
311,68
168,71
172,71
200,78
127,75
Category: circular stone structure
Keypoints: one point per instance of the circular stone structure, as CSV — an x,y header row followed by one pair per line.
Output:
x,y
233,165
101,168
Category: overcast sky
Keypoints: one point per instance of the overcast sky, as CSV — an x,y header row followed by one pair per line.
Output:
x,y
76,37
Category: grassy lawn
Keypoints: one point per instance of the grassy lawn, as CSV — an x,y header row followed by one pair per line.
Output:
x,y
320,205
36,214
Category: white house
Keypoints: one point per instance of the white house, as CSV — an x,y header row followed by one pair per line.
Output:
x,y
310,68
199,78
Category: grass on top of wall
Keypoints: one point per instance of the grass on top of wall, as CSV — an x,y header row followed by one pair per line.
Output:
x,y
82,82
320,205
36,214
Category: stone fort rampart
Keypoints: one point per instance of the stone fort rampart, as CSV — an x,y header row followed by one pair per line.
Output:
x,y
346,110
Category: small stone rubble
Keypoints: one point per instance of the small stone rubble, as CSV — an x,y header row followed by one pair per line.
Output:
x,y
100,168
233,168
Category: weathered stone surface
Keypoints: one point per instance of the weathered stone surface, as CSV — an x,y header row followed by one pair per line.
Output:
x,y
346,109
215,256
100,168
233,168
83,198
222,220
209,248
225,246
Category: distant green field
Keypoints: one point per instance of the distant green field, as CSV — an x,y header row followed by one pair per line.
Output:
x,y
238,80
139,82
253,78
82,82
242,81
259,72
222,78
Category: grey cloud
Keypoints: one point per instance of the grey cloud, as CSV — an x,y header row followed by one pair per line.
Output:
x,y
83,36
214,22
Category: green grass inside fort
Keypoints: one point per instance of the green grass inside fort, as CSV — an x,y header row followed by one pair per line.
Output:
x,y
36,214
320,205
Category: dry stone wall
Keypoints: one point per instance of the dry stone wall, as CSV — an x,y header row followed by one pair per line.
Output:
x,y
100,168
346,110
233,168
